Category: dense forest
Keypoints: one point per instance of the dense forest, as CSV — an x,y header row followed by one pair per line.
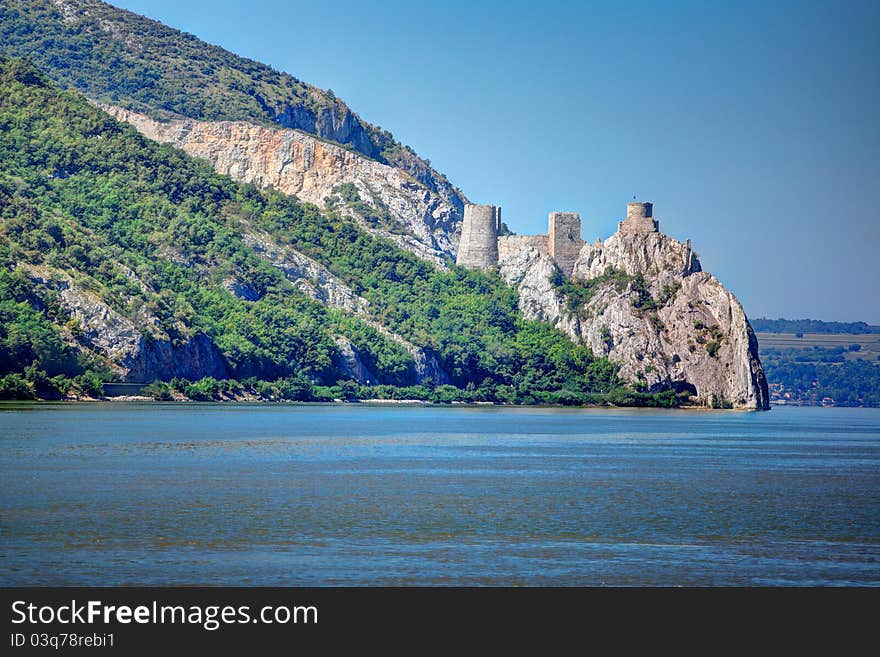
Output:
x,y
87,201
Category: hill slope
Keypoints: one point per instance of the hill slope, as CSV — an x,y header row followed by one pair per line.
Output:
x,y
123,59
120,254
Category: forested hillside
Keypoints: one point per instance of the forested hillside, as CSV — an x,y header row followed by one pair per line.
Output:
x,y
86,203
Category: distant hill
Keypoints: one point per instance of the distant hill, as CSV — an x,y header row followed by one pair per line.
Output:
x,y
815,362
764,325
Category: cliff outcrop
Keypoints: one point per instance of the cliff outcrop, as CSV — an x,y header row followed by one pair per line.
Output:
x,y
136,348
310,277
642,300
390,202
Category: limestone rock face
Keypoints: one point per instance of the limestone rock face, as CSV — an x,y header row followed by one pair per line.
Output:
x,y
530,271
403,209
333,122
650,253
137,350
427,366
310,277
241,290
678,329
349,361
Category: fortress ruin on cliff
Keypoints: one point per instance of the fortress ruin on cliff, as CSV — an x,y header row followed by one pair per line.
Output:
x,y
482,246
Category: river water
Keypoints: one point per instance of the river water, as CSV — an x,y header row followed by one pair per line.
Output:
x,y
237,494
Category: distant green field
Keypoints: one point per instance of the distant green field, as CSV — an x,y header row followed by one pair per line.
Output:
x,y
869,343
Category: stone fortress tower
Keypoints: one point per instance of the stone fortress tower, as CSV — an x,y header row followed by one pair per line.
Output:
x,y
481,247
478,248
639,219
564,231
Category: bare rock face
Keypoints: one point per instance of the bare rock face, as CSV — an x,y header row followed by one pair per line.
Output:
x,y
349,361
649,253
419,219
531,271
652,310
137,350
243,291
427,366
310,277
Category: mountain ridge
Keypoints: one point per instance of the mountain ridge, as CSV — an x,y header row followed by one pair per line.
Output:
x,y
126,59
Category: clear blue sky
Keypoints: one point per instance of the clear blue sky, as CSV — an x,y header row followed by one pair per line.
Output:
x,y
754,127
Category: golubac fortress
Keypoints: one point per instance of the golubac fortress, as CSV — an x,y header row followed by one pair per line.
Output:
x,y
482,246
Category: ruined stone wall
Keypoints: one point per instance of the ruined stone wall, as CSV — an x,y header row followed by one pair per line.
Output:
x,y
481,247
508,245
478,248
565,239
639,219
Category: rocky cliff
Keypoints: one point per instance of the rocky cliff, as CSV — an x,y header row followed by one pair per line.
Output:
x,y
310,277
641,299
389,202
135,348
120,57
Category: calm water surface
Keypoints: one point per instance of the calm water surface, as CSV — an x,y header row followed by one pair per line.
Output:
x,y
116,493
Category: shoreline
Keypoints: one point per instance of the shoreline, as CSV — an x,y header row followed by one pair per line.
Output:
x,y
141,399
